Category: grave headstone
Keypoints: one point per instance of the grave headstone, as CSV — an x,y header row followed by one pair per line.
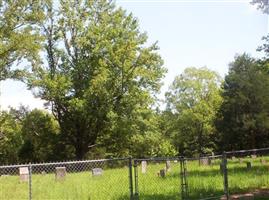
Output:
x,y
162,173
254,156
248,165
24,174
144,167
205,161
60,173
97,172
168,166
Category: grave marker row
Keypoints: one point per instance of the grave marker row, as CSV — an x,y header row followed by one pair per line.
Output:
x,y
60,173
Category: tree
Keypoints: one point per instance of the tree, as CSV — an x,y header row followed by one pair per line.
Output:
x,y
10,138
243,119
19,37
193,100
40,133
98,69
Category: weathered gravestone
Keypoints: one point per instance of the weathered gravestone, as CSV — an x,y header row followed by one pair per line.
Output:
x,y
144,167
205,161
248,165
168,166
24,174
60,173
162,173
97,171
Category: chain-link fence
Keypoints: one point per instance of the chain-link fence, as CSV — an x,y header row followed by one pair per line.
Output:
x,y
157,178
204,177
89,180
248,173
228,176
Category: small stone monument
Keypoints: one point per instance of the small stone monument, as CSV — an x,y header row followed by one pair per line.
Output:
x,y
60,173
248,165
168,166
162,173
205,161
24,174
144,167
97,172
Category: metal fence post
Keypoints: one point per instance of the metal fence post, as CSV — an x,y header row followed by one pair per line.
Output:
x,y
136,195
183,174
131,178
225,175
30,181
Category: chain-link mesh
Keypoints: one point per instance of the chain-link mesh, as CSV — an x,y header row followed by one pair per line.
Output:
x,y
13,186
157,178
248,173
204,177
89,180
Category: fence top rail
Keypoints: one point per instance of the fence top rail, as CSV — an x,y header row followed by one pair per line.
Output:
x,y
247,151
203,157
158,159
63,163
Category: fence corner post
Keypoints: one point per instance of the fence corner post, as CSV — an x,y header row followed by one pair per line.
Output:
x,y
225,175
30,181
131,178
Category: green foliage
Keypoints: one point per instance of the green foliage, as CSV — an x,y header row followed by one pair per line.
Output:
x,y
98,66
10,138
193,100
19,34
40,132
243,119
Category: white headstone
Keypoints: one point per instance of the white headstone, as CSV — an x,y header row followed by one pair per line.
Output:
x,y
144,167
168,166
60,173
97,172
24,174
205,161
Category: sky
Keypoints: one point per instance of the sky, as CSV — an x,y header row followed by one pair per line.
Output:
x,y
190,33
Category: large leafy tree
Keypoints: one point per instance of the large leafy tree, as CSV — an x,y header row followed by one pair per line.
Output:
x,y
40,134
19,36
98,70
244,114
193,100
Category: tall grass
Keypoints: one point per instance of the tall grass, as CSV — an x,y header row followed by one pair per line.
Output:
x,y
203,181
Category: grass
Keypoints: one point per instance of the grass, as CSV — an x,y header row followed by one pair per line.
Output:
x,y
203,181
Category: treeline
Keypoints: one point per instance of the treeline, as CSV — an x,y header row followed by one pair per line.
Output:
x,y
91,64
